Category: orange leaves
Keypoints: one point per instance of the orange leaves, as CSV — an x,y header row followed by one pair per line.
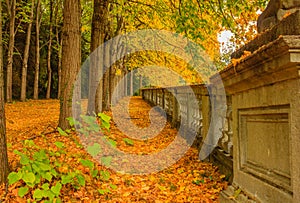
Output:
x,y
235,62
188,180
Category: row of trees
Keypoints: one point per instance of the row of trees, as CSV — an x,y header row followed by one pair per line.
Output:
x,y
33,34
45,42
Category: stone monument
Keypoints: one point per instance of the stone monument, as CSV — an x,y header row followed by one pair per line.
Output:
x,y
275,12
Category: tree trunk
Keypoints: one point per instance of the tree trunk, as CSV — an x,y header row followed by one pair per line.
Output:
x,y
71,58
49,69
59,51
140,85
12,15
26,55
106,78
4,170
125,82
37,52
59,70
131,82
99,22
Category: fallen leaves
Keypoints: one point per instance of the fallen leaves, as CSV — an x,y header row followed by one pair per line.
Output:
x,y
235,62
188,180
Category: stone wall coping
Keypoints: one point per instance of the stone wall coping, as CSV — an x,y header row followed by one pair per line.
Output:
x,y
287,26
276,61
198,89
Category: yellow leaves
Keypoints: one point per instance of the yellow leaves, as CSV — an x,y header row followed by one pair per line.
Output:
x,y
180,170
126,194
118,72
85,28
236,193
162,188
222,176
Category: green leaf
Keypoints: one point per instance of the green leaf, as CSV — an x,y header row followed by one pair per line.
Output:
x,y
53,172
103,191
29,177
18,153
94,173
94,150
73,122
23,191
38,194
128,141
45,186
81,179
30,143
104,120
24,160
43,167
14,177
105,175
62,132
56,189
104,117
59,145
65,179
48,193
47,176
87,163
237,192
106,160
92,123
41,156
111,142
114,187
105,125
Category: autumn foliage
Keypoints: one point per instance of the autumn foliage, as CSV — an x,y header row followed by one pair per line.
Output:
x,y
189,180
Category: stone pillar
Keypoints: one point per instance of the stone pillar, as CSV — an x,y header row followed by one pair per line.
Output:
x,y
265,92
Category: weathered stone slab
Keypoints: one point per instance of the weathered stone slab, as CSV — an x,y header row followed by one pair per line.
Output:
x,y
265,91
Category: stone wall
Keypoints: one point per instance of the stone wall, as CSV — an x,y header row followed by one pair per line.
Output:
x,y
260,131
265,91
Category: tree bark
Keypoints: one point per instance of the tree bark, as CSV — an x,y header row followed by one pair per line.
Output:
x,y
37,52
99,22
59,41
131,82
4,170
71,58
26,55
12,15
106,78
59,70
140,85
49,69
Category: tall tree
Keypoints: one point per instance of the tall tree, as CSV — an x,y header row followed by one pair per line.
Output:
x,y
57,26
99,27
3,148
49,69
26,54
71,58
11,7
37,51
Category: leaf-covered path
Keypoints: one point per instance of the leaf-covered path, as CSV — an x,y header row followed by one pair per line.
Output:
x,y
188,180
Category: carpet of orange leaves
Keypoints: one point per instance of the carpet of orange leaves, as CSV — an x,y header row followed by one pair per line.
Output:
x,y
37,120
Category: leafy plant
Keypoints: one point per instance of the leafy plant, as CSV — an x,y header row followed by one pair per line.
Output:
x,y
128,141
37,174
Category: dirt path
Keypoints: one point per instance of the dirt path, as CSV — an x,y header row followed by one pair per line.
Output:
x,y
188,180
